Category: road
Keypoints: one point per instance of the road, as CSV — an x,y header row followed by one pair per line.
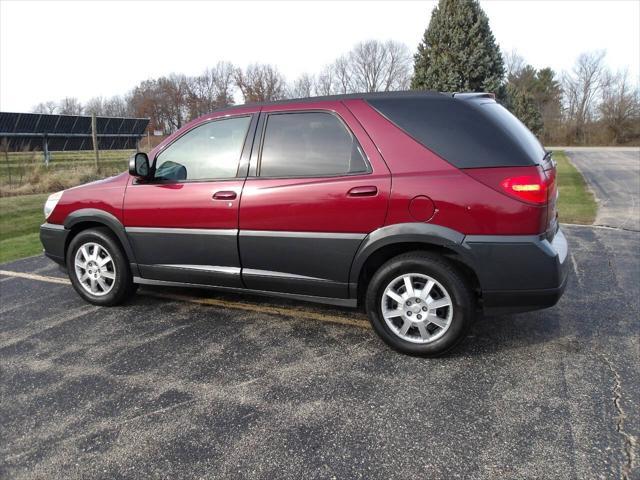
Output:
x,y
191,384
614,176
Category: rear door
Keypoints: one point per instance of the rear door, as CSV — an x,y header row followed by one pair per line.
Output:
x,y
317,186
183,224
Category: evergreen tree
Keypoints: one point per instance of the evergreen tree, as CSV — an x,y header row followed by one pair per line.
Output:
x,y
458,52
523,105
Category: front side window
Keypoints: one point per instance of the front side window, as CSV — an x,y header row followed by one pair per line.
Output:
x,y
310,144
210,151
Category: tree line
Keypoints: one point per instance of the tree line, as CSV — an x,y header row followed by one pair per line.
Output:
x,y
589,104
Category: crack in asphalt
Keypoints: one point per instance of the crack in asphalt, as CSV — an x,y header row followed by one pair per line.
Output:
x,y
630,441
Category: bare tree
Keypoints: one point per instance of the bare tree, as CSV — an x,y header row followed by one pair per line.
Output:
x,y
513,63
582,88
70,106
371,66
94,106
620,107
325,82
211,90
261,83
342,75
172,92
49,107
303,86
116,106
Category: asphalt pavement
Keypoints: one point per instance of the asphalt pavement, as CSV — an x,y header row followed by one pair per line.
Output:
x,y
614,176
198,384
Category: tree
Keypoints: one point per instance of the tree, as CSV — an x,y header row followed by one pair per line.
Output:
x,y
458,51
325,81
513,63
94,106
70,106
116,106
620,107
375,66
45,107
303,86
261,83
211,90
582,88
523,105
529,89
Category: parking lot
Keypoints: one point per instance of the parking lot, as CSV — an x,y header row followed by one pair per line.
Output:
x,y
182,384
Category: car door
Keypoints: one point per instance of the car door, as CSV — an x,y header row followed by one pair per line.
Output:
x,y
183,223
317,186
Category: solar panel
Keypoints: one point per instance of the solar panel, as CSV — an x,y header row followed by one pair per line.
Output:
x,y
28,131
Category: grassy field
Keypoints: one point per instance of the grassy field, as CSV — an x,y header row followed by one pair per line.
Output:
x,y
20,216
24,173
576,203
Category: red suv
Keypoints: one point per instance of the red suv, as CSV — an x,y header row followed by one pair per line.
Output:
x,y
425,208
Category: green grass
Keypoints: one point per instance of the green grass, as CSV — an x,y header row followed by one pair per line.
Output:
x,y
576,203
20,219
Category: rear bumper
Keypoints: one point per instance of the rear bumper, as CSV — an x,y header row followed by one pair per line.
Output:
x,y
519,273
54,238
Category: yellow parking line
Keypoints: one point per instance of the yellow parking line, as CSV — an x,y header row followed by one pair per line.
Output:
x,y
34,276
249,307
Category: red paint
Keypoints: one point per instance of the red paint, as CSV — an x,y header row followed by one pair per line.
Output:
x,y
462,203
462,200
422,208
106,195
182,205
319,204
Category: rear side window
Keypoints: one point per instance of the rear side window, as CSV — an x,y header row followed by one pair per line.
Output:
x,y
309,144
468,133
209,151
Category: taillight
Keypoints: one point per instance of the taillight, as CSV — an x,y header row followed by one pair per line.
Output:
x,y
529,188
527,184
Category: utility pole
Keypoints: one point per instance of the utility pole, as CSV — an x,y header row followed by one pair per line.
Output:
x,y
94,137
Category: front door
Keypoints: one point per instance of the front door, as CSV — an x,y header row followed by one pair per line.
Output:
x,y
317,187
183,224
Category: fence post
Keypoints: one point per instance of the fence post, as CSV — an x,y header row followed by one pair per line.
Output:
x,y
94,137
45,148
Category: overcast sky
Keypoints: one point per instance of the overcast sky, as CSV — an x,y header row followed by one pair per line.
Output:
x,y
49,50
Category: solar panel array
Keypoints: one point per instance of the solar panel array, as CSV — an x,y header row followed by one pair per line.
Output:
x,y
27,131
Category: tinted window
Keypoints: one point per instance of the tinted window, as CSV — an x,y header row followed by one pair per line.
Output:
x,y
468,133
211,150
510,123
309,144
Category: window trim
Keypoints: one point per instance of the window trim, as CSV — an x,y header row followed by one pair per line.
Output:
x,y
254,170
241,159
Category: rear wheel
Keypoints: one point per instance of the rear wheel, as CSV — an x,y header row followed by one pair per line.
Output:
x,y
98,268
419,304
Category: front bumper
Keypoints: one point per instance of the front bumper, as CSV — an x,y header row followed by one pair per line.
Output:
x,y
519,273
54,239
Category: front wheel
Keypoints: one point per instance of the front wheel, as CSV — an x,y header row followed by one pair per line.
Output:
x,y
419,304
98,268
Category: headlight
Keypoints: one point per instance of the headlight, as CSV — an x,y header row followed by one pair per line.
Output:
x,y
51,203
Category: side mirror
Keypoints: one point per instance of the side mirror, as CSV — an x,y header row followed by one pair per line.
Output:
x,y
139,165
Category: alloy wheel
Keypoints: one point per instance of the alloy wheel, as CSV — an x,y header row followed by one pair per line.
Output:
x,y
417,308
95,269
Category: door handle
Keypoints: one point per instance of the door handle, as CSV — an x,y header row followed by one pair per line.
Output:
x,y
225,195
368,191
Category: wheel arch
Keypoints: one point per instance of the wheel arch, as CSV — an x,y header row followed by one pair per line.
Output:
x,y
388,242
86,218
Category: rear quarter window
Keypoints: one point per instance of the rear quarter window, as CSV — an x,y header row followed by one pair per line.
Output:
x,y
468,133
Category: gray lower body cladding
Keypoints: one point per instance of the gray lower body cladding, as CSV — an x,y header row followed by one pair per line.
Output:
x,y
516,273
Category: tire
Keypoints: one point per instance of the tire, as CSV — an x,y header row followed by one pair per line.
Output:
x,y
105,284
422,324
